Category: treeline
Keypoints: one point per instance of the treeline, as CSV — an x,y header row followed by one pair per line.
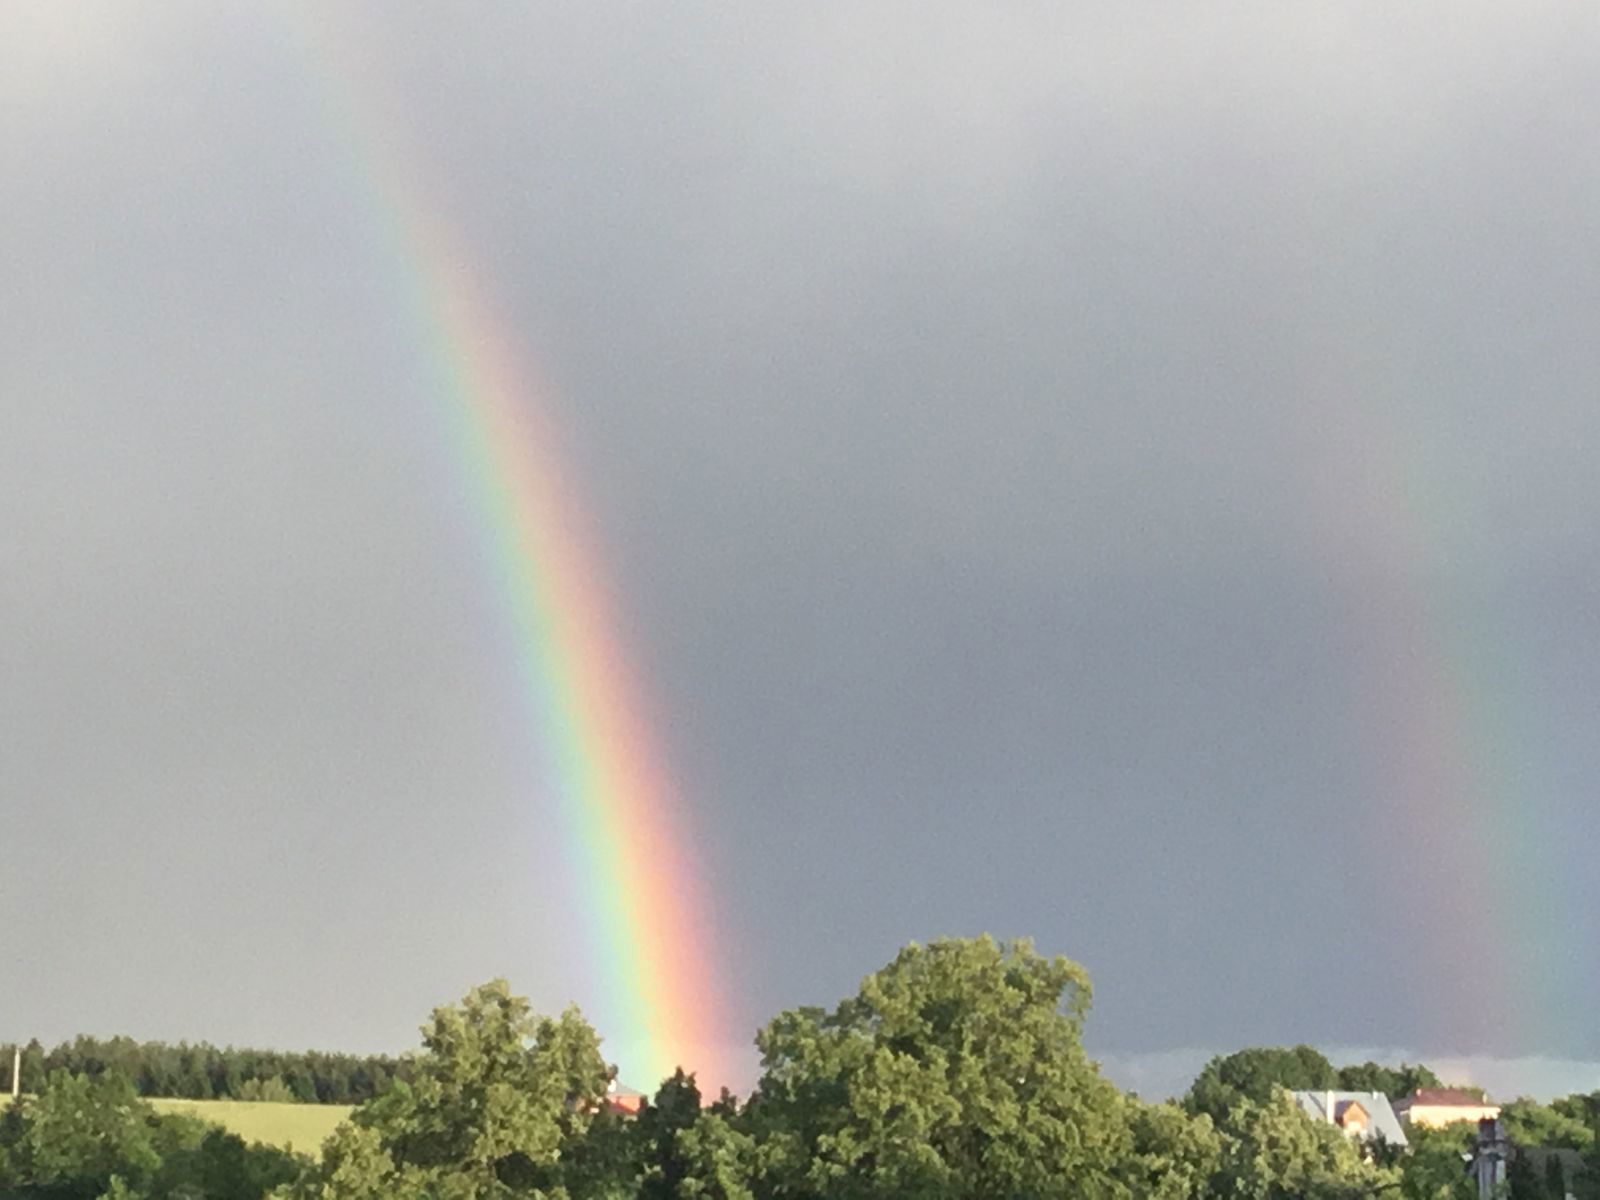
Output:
x,y
201,1071
956,1072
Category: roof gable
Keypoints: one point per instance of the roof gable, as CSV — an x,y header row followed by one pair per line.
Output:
x,y
1334,1107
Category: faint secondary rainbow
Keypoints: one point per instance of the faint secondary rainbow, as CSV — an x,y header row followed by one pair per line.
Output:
x,y
647,912
1464,825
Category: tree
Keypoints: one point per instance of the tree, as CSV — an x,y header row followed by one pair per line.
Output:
x,y
1555,1178
272,1090
498,1095
355,1166
957,1071
1393,1082
1175,1155
1529,1123
207,1161
1276,1152
658,1131
1252,1074
1435,1165
89,1136
719,1157
77,1135
1522,1181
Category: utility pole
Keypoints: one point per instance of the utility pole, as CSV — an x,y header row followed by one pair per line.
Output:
x,y
16,1071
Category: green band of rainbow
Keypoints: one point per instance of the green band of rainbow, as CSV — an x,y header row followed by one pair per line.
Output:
x,y
644,901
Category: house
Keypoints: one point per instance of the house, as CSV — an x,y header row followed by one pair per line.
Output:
x,y
623,1099
1437,1107
1364,1115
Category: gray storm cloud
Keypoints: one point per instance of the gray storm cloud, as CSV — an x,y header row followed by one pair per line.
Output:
x,y
976,405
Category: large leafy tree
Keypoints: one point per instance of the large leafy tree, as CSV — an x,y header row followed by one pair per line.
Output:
x,y
655,1155
499,1095
206,1162
1435,1164
1175,1156
1253,1073
77,1136
957,1071
658,1132
1275,1152
1529,1123
1586,1184
719,1157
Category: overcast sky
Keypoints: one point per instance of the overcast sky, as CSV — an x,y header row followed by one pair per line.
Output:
x,y
1119,474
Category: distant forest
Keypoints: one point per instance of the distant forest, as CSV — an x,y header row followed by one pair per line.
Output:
x,y
200,1071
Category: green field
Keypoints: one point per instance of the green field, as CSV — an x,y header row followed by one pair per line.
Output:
x,y
301,1127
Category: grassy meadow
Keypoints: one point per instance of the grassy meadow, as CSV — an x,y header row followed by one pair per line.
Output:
x,y
301,1127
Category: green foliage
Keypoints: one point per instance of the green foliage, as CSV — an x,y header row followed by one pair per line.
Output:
x,y
1276,1152
1175,1156
1529,1123
1522,1181
498,1095
1585,1183
657,1133
355,1166
268,1091
957,1070
1393,1082
118,1189
200,1071
1555,1178
1435,1166
218,1165
92,1136
77,1134
719,1158
1252,1074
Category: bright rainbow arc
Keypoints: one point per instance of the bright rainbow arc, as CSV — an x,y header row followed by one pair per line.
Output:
x,y
617,798
649,921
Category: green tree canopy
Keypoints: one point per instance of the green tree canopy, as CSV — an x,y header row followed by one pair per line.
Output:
x,y
1276,1152
1530,1123
957,1071
499,1094
1252,1074
76,1136
1393,1082
86,1136
1435,1164
1175,1155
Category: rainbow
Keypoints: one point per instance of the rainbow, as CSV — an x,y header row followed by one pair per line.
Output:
x,y
648,915
1462,829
